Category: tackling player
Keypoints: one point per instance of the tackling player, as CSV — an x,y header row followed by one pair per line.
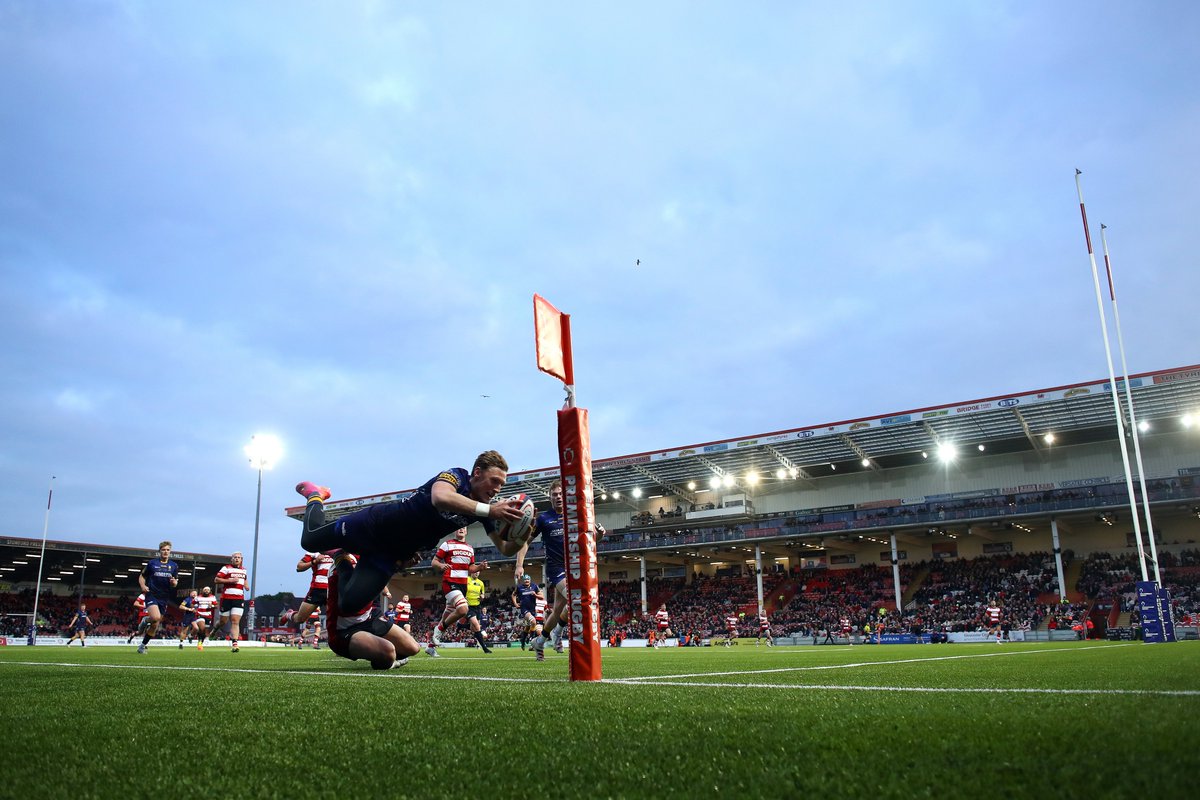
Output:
x,y
389,535
158,581
365,634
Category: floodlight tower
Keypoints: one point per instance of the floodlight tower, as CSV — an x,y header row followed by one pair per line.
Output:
x,y
263,451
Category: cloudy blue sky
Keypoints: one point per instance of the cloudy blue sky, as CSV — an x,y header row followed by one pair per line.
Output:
x,y
326,221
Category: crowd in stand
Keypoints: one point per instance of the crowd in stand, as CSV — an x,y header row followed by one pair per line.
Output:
x,y
952,596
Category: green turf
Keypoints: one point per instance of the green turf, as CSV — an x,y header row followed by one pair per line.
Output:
x,y
1089,720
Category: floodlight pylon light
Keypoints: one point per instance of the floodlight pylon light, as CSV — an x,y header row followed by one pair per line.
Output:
x,y
728,481
947,451
637,492
715,481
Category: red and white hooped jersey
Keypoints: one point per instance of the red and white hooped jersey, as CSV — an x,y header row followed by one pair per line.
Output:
x,y
323,564
205,605
539,610
403,612
140,605
662,618
458,558
993,614
845,623
763,624
233,591
731,623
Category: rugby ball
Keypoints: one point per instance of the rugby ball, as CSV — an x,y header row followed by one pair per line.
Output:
x,y
518,530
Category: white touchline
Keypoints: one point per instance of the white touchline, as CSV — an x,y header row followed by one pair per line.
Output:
x,y
875,663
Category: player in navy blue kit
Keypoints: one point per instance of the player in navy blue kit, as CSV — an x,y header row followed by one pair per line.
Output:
x,y
549,525
525,598
188,607
386,536
158,581
80,623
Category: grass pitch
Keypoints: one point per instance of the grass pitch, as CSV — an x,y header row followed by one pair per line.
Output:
x,y
1087,719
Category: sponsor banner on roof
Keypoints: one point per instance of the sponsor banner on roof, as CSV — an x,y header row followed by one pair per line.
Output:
x,y
1084,482
1181,375
896,420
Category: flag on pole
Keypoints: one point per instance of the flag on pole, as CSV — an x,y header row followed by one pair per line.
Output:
x,y
548,324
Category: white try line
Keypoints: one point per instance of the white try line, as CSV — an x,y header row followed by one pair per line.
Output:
x,y
925,689
855,664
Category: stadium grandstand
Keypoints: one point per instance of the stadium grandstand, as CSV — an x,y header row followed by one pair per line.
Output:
x,y
1008,484
913,518
103,576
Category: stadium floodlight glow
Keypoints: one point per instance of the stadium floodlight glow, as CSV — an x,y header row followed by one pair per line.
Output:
x,y
980,448
924,454
616,495
1048,438
728,480
715,481
946,451
263,451
793,472
691,486
1187,420
866,462
637,492
780,473
1143,425
604,496
752,478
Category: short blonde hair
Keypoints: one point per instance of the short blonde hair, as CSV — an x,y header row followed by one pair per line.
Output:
x,y
163,544
488,459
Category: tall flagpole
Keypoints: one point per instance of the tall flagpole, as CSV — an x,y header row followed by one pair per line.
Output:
x,y
41,560
1112,379
1133,426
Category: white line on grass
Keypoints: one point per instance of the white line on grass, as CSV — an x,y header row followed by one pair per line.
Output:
x,y
930,689
854,664
374,673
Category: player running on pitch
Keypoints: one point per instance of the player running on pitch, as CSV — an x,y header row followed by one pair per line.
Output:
x,y
388,535
79,623
525,597
549,526
158,580
456,559
318,592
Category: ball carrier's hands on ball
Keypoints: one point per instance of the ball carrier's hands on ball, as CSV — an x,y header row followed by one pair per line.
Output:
x,y
479,504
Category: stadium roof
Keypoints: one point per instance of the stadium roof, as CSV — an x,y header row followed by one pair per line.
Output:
x,y
1075,414
71,563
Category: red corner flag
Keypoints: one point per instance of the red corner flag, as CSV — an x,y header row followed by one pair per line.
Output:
x,y
552,330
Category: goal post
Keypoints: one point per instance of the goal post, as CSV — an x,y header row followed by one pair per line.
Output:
x,y
552,331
